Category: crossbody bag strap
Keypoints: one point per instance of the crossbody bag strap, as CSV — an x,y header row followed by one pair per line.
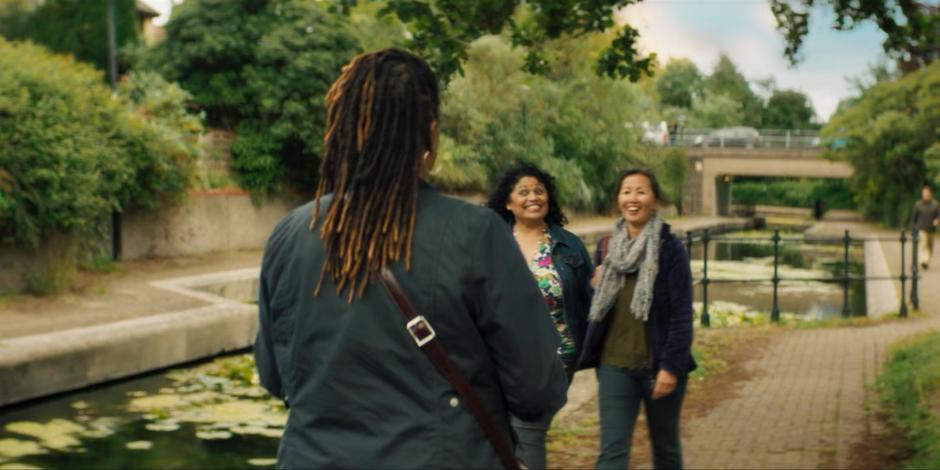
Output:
x,y
424,336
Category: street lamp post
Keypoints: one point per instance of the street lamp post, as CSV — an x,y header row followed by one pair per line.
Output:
x,y
113,77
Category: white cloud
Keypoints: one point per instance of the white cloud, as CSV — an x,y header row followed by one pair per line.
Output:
x,y
746,32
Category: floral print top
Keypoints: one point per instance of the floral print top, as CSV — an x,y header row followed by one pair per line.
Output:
x,y
549,282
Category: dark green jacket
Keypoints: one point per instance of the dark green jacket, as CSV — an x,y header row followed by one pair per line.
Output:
x,y
361,393
574,267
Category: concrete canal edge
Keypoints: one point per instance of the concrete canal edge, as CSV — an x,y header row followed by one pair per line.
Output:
x,y
46,364
881,295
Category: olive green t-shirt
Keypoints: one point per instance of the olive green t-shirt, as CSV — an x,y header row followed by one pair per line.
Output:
x,y
626,344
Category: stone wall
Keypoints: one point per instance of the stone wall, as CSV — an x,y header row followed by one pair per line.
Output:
x,y
205,222
209,221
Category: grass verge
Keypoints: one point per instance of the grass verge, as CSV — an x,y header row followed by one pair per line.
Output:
x,y
909,394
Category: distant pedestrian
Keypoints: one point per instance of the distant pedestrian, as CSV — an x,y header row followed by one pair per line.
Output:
x,y
527,200
673,133
926,218
640,327
362,389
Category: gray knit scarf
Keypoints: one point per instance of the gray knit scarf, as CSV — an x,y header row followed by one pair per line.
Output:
x,y
626,256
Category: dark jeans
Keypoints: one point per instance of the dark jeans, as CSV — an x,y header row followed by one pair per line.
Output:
x,y
530,435
620,392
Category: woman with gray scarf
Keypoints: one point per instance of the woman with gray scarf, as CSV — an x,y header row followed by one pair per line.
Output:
x,y
640,326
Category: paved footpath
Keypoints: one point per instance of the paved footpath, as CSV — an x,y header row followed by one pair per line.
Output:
x,y
804,404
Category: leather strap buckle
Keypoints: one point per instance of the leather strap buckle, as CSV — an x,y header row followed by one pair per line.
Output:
x,y
420,330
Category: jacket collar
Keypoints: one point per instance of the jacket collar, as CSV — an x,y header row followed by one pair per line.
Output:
x,y
558,234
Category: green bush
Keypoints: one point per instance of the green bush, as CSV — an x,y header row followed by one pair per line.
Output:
x,y
909,391
71,152
793,192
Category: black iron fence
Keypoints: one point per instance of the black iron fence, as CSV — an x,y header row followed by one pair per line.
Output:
x,y
705,238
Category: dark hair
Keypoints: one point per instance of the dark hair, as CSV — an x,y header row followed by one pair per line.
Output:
x,y
927,186
378,115
654,184
500,196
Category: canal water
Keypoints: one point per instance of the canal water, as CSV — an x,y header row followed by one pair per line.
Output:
x,y
214,415
211,415
741,270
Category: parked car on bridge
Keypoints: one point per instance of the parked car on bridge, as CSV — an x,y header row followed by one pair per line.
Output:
x,y
656,134
740,136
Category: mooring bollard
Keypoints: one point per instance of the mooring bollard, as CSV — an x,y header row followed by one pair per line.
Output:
x,y
903,311
775,310
845,275
706,320
915,268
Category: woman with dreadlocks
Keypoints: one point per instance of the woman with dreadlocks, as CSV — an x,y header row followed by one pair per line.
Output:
x,y
361,393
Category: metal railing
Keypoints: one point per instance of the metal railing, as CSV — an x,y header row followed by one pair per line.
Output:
x,y
846,240
754,138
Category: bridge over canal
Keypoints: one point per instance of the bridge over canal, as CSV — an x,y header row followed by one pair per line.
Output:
x,y
707,189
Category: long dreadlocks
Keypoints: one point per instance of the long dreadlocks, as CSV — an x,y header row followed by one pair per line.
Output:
x,y
379,112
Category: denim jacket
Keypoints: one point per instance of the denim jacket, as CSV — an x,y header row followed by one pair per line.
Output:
x,y
575,269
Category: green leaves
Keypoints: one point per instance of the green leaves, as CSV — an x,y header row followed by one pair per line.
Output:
x,y
912,28
262,68
71,153
890,137
496,115
441,31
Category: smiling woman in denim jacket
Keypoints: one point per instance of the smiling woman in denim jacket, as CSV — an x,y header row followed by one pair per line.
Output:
x,y
527,200
639,334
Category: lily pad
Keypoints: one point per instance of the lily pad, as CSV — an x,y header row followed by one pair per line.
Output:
x,y
262,462
16,448
213,435
57,434
18,466
80,405
163,426
139,445
154,402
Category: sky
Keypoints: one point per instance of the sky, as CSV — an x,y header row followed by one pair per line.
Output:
x,y
744,30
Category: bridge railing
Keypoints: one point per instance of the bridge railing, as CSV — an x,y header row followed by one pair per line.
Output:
x,y
746,137
705,238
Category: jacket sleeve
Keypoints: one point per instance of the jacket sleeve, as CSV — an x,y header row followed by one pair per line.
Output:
x,y
265,346
264,342
586,282
514,322
677,350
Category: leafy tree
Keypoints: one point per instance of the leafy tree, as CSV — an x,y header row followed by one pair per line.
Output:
x,y
77,27
726,80
678,82
442,31
788,109
14,18
713,111
260,68
71,153
912,27
576,125
890,137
